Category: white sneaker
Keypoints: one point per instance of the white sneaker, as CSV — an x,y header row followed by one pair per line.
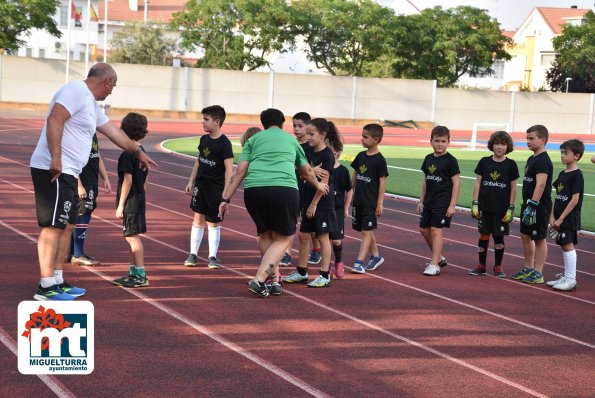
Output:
x,y
565,285
558,279
432,270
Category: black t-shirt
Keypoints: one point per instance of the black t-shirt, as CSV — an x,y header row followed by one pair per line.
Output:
x,y
341,184
326,160
368,170
128,163
89,173
537,165
211,156
496,177
439,171
301,183
567,185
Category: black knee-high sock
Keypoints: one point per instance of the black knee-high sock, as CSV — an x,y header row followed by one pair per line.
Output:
x,y
499,249
338,249
483,251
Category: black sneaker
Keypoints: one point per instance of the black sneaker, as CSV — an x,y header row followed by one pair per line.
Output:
x,y
442,263
191,261
275,288
258,288
120,281
479,270
136,281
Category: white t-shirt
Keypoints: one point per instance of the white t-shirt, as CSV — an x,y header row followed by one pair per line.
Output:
x,y
85,117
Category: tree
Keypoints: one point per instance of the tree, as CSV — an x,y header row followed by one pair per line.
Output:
x,y
20,16
342,36
575,58
234,34
137,43
444,45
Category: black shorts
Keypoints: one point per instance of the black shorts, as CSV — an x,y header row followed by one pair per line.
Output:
x,y
55,202
134,224
491,223
273,208
206,201
86,206
363,218
339,233
324,222
435,218
537,231
567,236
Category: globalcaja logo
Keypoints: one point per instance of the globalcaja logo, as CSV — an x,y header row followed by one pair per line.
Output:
x,y
56,337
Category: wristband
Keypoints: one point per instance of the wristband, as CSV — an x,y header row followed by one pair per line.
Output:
x,y
138,151
532,202
225,200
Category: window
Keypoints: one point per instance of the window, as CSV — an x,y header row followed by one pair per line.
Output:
x,y
28,52
63,12
42,53
547,59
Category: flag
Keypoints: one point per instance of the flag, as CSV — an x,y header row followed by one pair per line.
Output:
x,y
93,14
75,13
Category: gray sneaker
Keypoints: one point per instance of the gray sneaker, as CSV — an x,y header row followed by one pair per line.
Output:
x,y
275,288
295,277
214,263
191,261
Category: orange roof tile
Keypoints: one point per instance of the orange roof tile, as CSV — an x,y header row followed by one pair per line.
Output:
x,y
160,11
508,33
557,17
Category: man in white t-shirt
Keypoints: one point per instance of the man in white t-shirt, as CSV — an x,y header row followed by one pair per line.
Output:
x,y
61,153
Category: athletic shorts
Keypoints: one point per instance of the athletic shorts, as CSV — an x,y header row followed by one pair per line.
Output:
x,y
363,218
491,223
86,206
206,201
567,236
537,231
134,224
55,202
435,218
324,222
273,208
339,233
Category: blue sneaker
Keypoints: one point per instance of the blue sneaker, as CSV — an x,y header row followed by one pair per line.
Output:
x,y
73,291
374,262
314,257
522,274
52,293
286,260
295,277
534,277
358,268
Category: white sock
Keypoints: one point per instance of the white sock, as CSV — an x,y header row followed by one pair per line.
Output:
x,y
196,238
58,276
47,282
214,239
570,264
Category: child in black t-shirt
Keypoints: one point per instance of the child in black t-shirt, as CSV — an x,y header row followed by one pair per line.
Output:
x,y
565,219
343,193
318,211
439,195
369,186
131,202
211,173
494,194
536,207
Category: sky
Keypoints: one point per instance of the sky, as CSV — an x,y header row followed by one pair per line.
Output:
x,y
510,13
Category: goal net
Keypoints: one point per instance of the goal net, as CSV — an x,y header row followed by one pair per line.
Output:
x,y
481,133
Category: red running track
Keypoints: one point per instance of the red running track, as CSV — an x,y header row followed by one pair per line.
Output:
x,y
199,332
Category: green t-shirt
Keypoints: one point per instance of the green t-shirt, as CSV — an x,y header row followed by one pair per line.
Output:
x,y
273,155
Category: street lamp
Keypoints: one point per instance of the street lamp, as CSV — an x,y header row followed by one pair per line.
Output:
x,y
568,79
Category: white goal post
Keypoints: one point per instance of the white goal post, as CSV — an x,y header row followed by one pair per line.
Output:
x,y
479,126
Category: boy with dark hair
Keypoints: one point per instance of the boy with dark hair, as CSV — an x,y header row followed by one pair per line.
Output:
x,y
212,171
494,194
439,194
536,207
369,186
565,219
131,202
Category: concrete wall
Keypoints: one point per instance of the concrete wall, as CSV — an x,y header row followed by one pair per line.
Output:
x,y
34,81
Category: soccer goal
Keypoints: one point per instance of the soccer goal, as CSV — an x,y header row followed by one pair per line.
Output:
x,y
488,127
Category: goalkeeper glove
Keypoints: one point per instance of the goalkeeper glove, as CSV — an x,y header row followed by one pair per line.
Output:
x,y
553,233
509,215
529,216
475,209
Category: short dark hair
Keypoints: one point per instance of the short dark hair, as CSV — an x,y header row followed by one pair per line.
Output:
x,y
501,137
540,131
251,131
272,117
440,131
215,112
135,126
575,146
375,130
303,116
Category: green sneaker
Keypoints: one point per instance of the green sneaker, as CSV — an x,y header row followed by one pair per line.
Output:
x,y
522,274
295,277
534,277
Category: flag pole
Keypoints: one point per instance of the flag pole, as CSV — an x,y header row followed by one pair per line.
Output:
x,y
105,34
68,40
88,34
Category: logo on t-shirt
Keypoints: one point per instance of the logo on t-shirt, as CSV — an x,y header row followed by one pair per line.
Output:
x,y
206,152
363,169
432,169
495,175
559,187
